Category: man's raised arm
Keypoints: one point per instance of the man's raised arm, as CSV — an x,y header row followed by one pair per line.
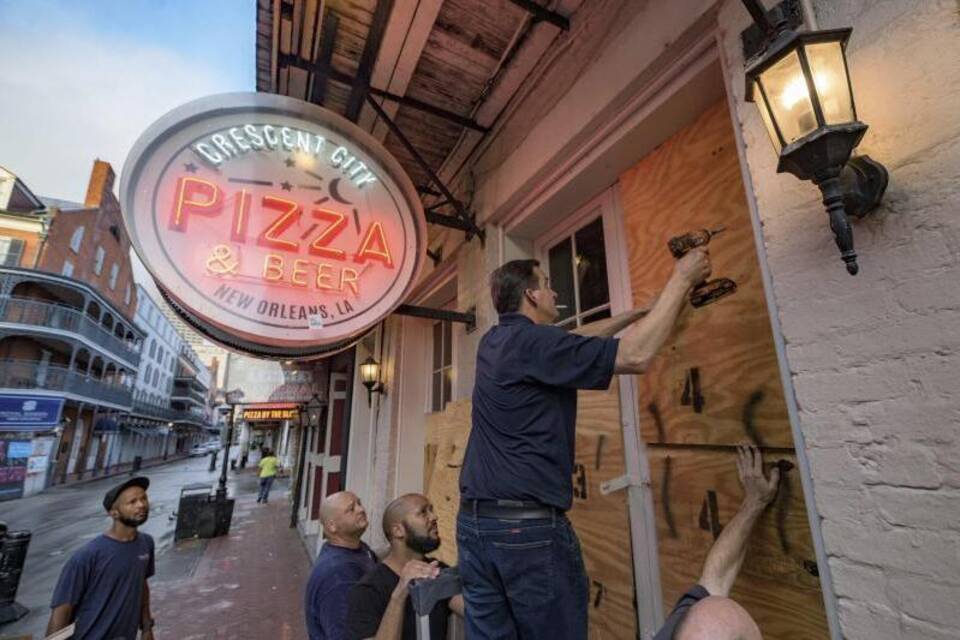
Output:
x,y
640,344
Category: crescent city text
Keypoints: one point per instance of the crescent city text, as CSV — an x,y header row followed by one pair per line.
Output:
x,y
240,140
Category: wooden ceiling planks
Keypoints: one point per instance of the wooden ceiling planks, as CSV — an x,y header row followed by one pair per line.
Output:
x,y
462,52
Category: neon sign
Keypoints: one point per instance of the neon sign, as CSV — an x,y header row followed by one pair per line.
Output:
x,y
272,225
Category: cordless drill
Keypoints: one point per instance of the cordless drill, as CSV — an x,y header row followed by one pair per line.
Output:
x,y
709,291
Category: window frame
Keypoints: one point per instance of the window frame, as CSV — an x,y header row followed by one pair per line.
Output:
x,y
76,240
65,271
598,208
114,275
452,366
99,257
12,243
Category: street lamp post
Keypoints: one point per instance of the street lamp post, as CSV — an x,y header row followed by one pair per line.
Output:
x,y
233,399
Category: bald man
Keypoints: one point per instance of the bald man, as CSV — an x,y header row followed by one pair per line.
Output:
x,y
342,561
706,612
380,604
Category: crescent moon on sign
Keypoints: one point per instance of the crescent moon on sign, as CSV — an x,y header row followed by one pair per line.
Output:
x,y
334,188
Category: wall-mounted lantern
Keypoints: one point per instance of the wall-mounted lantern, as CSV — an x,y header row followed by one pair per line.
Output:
x,y
370,376
801,84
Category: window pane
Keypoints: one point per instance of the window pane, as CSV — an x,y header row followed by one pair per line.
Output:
x,y
447,385
436,400
447,343
591,264
598,315
10,251
561,278
437,346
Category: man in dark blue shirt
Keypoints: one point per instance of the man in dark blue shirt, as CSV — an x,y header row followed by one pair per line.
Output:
x,y
342,561
103,587
519,557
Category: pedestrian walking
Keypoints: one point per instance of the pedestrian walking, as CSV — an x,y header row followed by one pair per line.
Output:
x,y
268,472
520,560
342,561
103,587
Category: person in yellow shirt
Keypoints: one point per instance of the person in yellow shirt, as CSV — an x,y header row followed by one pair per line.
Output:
x,y
268,471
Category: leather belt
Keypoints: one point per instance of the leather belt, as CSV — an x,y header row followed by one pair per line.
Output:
x,y
509,509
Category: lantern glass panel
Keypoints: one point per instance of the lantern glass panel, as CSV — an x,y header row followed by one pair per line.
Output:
x,y
829,71
368,372
768,122
786,88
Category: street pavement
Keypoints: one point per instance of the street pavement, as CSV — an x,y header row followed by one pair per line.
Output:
x,y
220,588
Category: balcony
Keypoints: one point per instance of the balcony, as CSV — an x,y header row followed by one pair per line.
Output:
x,y
31,375
48,315
150,410
188,394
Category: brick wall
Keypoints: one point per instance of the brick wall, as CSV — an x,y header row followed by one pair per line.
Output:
x,y
875,358
103,227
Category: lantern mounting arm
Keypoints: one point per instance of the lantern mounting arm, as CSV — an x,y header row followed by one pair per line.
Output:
x,y
469,318
464,219
768,25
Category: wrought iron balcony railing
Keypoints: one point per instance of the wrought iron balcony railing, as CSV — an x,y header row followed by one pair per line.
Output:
x,y
31,374
40,313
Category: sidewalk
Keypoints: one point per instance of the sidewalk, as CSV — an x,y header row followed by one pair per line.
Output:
x,y
246,585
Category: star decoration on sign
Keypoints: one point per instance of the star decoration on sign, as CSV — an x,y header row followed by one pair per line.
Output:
x,y
286,186
290,162
190,167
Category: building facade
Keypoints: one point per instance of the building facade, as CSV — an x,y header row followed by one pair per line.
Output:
x,y
598,138
68,335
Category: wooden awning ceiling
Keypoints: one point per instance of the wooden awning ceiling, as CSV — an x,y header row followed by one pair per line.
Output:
x,y
431,64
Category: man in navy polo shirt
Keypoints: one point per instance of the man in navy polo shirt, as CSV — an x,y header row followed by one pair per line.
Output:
x,y
519,557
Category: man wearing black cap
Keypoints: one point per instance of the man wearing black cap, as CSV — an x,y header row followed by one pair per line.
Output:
x,y
103,587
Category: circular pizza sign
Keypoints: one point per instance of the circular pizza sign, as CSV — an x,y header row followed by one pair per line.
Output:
x,y
272,225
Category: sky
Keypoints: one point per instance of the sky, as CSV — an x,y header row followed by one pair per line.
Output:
x,y
82,79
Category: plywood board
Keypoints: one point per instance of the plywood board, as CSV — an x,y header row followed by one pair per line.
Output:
x,y
693,182
716,382
447,433
603,522
778,583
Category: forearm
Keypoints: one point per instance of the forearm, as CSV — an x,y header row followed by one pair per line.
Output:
x,y
726,556
610,327
391,624
60,618
146,620
643,340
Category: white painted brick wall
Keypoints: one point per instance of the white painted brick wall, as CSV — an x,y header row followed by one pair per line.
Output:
x,y
875,359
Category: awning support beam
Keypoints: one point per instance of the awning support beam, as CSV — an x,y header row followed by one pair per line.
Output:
x,y
462,213
543,14
469,318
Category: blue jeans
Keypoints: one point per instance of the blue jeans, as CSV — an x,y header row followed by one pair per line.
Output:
x,y
265,484
522,579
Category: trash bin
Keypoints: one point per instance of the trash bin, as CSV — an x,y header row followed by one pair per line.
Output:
x,y
191,510
13,555
137,463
